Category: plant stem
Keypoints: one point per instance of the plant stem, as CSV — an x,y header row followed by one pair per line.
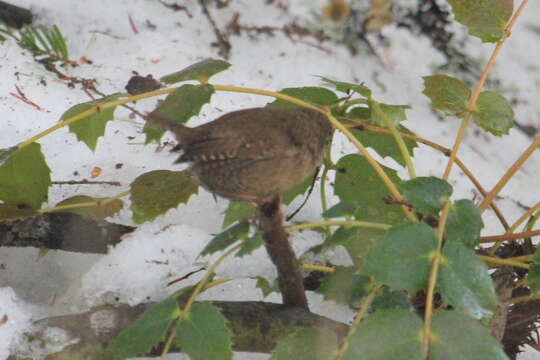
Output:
x,y
515,226
205,278
328,223
426,336
359,317
397,136
321,268
96,203
503,262
521,235
508,175
521,299
91,111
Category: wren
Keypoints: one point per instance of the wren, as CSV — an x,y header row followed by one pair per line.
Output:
x,y
253,154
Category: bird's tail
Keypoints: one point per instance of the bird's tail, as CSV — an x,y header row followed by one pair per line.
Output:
x,y
180,130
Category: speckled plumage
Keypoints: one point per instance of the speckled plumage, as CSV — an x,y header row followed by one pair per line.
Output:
x,y
253,154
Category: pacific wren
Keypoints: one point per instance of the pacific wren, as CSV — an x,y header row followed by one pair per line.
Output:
x,y
253,154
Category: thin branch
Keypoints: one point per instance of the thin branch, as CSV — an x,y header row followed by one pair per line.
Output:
x,y
509,174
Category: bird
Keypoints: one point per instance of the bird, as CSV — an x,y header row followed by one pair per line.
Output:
x,y
252,154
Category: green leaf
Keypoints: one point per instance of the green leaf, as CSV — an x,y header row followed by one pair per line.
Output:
x,y
147,331
464,223
298,189
493,113
485,19
465,283
344,285
237,211
226,238
342,209
6,153
89,128
250,245
447,94
204,335
24,178
265,286
314,95
306,344
457,336
200,71
182,104
94,213
13,212
153,133
356,240
426,194
155,192
179,106
388,299
346,87
533,277
384,144
396,114
387,334
402,258
357,181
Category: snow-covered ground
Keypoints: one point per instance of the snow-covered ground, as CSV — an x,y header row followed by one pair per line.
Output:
x,y
138,269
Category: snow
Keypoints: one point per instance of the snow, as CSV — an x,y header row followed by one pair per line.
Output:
x,y
139,268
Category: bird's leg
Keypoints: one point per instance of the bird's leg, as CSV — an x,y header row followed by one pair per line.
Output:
x,y
291,282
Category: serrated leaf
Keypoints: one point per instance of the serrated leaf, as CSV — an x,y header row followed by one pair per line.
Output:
x,y
447,94
237,211
147,331
250,245
344,285
356,240
427,194
457,336
25,178
342,209
265,286
200,71
6,153
485,19
204,335
533,277
179,106
299,189
402,258
357,181
464,223
90,128
385,145
155,192
386,334
346,87
396,114
95,213
493,113
306,344
388,299
311,94
226,238
465,283
153,133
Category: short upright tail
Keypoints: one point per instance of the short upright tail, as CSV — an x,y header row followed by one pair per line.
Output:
x,y
180,130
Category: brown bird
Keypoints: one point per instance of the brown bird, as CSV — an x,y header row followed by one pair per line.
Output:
x,y
253,154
